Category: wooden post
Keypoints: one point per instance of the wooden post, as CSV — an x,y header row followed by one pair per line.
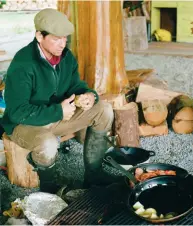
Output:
x,y
20,172
98,43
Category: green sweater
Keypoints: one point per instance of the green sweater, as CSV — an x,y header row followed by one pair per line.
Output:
x,y
34,89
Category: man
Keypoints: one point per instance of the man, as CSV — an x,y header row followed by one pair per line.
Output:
x,y
41,84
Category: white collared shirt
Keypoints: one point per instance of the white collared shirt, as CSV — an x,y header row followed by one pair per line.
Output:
x,y
43,55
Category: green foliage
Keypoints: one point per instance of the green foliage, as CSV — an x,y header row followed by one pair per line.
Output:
x,y
2,2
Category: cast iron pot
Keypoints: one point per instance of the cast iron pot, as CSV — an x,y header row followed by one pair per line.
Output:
x,y
163,193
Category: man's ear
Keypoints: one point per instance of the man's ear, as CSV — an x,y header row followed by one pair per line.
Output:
x,y
39,36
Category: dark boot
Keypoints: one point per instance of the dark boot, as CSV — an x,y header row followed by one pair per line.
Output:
x,y
95,146
46,176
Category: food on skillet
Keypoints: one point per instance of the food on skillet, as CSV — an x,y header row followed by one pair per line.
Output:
x,y
150,213
141,175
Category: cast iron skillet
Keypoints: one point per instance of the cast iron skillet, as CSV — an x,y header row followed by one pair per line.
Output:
x,y
163,193
127,155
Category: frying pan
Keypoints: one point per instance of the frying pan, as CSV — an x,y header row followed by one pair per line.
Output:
x,y
180,172
127,156
163,193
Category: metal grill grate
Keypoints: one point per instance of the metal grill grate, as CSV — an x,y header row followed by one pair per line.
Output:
x,y
88,209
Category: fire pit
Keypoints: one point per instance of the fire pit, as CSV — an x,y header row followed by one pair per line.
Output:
x,y
105,206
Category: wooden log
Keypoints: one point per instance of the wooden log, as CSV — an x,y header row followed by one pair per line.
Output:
x,y
176,105
20,172
98,43
137,33
126,126
155,112
182,126
116,100
148,130
148,92
155,82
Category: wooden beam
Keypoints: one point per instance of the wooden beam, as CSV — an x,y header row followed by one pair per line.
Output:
x,y
98,43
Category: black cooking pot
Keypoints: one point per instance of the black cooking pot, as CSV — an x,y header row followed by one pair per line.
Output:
x,y
128,156
163,193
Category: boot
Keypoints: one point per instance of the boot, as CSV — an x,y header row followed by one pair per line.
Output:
x,y
95,146
46,176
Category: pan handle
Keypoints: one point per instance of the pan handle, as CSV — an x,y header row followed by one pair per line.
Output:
x,y
151,153
124,171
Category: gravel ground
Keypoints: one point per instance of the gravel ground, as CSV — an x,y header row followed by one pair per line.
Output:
x,y
172,148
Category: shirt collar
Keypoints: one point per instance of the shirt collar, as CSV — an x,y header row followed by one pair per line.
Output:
x,y
41,52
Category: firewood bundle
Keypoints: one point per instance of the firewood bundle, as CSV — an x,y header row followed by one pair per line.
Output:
x,y
159,107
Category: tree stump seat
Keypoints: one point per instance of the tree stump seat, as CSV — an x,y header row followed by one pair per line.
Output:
x,y
20,172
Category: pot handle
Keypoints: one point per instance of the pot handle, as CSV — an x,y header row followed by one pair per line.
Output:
x,y
151,153
124,171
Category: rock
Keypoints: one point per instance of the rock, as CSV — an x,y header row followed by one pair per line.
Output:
x,y
73,195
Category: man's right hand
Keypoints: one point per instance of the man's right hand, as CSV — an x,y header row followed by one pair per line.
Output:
x,y
68,108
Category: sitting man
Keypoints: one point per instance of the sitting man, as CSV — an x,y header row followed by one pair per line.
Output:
x,y
41,84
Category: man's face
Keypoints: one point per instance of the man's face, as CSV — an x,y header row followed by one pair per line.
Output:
x,y
52,45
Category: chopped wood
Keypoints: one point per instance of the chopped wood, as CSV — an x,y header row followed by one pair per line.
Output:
x,y
156,82
116,100
140,75
148,130
177,104
155,112
182,126
20,172
148,92
136,30
126,126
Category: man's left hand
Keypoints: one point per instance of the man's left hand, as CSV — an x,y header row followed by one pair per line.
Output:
x,y
86,100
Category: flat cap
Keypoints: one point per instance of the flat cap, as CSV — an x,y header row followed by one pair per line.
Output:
x,y
54,22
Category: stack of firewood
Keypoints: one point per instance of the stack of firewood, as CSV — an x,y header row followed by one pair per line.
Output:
x,y
149,109
29,4
161,108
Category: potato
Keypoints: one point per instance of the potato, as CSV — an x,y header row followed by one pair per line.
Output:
x,y
145,215
138,205
161,216
140,211
154,216
150,211
76,101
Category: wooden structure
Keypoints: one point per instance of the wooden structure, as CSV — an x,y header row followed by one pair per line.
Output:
x,y
174,16
20,172
135,36
98,43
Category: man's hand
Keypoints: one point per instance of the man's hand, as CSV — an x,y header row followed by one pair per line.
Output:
x,y
86,101
68,108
